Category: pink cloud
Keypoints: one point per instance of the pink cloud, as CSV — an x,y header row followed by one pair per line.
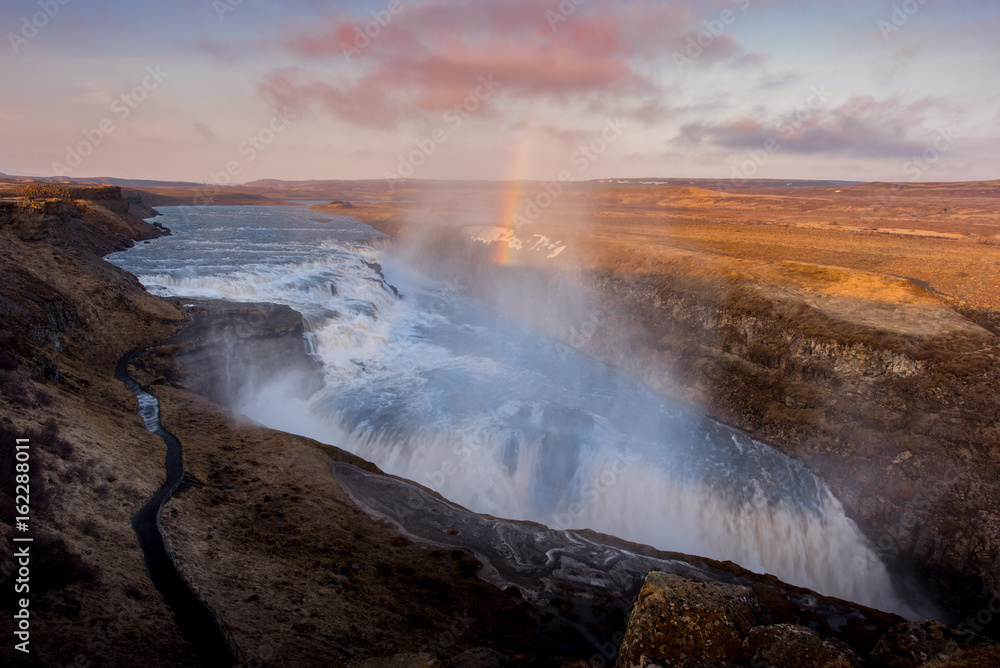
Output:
x,y
432,53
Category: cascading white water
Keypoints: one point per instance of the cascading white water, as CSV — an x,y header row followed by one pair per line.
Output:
x,y
438,389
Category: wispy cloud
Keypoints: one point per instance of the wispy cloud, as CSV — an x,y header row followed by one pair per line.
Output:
x,y
862,126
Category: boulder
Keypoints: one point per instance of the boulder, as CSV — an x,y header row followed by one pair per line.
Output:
x,y
791,646
912,644
677,621
983,657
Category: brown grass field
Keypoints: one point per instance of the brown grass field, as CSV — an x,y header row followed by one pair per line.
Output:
x,y
944,238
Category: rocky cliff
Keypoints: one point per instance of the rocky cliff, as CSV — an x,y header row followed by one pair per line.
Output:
x,y
67,316
688,623
229,350
879,386
893,402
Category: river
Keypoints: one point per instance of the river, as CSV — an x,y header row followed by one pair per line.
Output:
x,y
433,386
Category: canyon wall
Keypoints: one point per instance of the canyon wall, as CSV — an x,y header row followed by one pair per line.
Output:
x,y
880,387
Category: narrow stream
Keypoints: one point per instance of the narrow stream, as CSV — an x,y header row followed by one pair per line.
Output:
x,y
196,622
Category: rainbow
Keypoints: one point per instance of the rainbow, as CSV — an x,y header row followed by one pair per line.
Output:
x,y
511,199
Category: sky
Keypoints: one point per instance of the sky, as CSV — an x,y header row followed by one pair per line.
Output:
x,y
229,91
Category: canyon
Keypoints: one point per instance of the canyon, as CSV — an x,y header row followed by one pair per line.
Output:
x,y
884,387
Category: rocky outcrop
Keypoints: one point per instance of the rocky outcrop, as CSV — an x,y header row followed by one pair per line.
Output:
x,y
915,643
789,646
682,622
231,349
58,292
97,219
900,424
986,657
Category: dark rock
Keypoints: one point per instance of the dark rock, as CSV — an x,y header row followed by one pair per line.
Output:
x,y
912,644
480,657
790,646
983,657
362,307
405,660
229,350
377,268
67,296
391,288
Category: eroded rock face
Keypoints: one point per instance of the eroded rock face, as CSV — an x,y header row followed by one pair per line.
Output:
x,y
893,417
231,350
581,585
98,220
677,621
790,646
914,643
983,657
56,293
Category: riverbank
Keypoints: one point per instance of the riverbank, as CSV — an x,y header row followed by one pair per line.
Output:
x,y
196,622
68,317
